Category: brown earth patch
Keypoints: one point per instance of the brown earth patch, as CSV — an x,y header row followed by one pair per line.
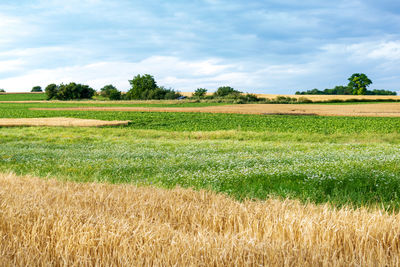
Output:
x,y
365,110
66,122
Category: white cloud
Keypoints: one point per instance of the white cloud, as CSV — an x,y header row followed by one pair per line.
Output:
x,y
168,71
12,28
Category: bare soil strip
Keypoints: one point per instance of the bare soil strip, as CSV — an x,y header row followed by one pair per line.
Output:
x,y
73,224
366,110
66,122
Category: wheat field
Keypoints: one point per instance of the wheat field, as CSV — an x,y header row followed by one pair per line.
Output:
x,y
48,222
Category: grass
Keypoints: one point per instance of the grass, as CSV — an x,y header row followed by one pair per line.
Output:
x,y
74,224
360,174
23,97
216,122
342,160
95,215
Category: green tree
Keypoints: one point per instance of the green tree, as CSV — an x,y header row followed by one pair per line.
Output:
x,y
359,82
200,92
2,90
51,91
143,87
36,89
114,95
69,91
225,91
106,90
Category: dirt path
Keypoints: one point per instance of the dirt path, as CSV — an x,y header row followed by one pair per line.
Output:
x,y
365,110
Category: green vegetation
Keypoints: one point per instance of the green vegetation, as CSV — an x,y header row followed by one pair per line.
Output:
x,y
22,97
358,83
211,122
36,89
342,160
341,173
145,87
69,91
110,92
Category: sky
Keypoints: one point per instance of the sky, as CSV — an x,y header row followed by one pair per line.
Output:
x,y
272,47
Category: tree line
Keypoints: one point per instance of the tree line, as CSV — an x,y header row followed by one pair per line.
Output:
x,y
143,87
358,83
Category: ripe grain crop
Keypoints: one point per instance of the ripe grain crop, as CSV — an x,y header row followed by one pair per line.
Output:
x,y
73,224
365,110
65,122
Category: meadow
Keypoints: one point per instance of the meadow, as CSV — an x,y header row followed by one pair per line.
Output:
x,y
348,165
22,96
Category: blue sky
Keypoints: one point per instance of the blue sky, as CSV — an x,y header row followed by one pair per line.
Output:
x,y
277,46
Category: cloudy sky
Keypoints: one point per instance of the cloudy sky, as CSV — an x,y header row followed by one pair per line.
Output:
x,y
275,46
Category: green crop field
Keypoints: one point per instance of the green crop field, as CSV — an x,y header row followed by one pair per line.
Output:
x,y
341,160
23,97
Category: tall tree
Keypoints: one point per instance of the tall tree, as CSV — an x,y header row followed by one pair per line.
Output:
x,y
143,87
359,82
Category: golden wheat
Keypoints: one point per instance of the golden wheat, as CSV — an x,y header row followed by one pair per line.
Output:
x,y
68,122
45,223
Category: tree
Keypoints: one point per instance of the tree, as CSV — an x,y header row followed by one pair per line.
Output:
x,y
114,95
106,90
225,91
359,82
69,91
51,91
36,89
143,87
2,90
200,92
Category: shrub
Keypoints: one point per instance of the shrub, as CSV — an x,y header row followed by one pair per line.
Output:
x,y
36,89
69,91
225,91
200,92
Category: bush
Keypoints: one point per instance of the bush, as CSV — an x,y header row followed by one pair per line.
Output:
x,y
2,90
114,95
111,92
36,89
225,91
200,92
69,91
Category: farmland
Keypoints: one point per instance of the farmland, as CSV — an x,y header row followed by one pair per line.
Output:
x,y
338,165
22,96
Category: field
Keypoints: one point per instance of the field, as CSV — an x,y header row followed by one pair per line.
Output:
x,y
366,110
324,97
100,224
22,96
323,187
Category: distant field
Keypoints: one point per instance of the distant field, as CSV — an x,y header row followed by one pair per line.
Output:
x,y
22,96
366,110
323,97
